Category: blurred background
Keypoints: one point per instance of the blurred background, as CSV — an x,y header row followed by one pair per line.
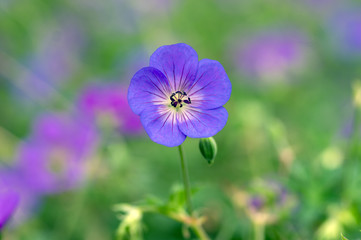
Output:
x,y
288,163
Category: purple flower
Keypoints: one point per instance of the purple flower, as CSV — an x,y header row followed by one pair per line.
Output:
x,y
56,56
177,96
322,6
153,6
266,201
270,196
106,104
15,180
344,29
272,56
9,200
53,158
54,60
256,203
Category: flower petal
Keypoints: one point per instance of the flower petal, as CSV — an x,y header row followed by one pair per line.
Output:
x,y
202,123
212,87
8,202
178,62
161,125
148,87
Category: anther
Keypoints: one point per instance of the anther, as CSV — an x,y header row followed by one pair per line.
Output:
x,y
177,98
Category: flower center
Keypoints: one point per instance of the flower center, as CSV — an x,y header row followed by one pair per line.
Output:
x,y
179,98
57,163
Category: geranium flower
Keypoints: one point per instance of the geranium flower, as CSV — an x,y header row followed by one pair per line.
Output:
x,y
344,29
54,61
105,105
177,96
272,56
53,159
14,179
9,200
266,201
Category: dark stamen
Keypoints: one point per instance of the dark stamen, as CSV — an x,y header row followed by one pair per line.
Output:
x,y
177,98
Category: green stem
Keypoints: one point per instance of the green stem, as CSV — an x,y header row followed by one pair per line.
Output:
x,y
258,231
198,230
352,158
201,234
185,176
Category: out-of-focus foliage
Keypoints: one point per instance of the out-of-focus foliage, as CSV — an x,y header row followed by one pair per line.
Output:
x,y
288,161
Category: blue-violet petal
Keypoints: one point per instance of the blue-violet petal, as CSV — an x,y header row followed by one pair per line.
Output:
x,y
202,123
212,87
178,62
160,123
148,87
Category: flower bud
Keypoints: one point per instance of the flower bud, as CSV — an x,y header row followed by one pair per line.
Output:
x,y
208,148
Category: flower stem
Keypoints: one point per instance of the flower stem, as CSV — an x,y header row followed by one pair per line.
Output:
x,y
201,234
185,176
258,231
197,228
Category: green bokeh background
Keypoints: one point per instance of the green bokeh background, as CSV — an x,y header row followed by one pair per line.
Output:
x,y
304,115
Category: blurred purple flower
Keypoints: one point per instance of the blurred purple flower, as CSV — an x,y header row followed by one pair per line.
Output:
x,y
347,127
111,18
322,6
344,29
265,201
272,56
54,59
14,179
269,198
9,200
53,158
256,203
267,194
179,96
106,104
153,7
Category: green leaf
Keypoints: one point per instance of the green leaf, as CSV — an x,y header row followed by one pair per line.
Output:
x,y
343,238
